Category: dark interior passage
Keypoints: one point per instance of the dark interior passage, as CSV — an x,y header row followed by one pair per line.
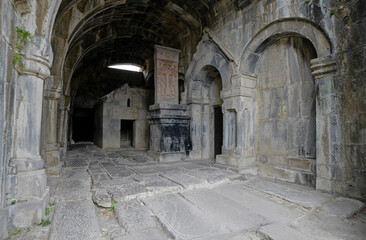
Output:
x,y
127,132
83,125
218,130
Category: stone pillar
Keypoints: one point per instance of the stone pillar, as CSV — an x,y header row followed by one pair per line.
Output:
x,y
324,70
239,118
51,148
195,109
169,124
63,123
195,130
27,177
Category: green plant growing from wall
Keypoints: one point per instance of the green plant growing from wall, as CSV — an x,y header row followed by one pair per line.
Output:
x,y
23,37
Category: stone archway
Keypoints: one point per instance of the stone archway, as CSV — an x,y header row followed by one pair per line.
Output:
x,y
211,89
208,74
281,29
279,55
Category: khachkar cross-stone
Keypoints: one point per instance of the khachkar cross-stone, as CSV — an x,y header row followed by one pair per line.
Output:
x,y
166,75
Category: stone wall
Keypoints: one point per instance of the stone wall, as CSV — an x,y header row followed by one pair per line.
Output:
x,y
346,93
327,29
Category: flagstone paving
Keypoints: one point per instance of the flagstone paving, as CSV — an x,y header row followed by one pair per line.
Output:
x,y
125,195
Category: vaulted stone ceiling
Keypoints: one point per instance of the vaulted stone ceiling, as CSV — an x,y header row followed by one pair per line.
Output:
x,y
98,33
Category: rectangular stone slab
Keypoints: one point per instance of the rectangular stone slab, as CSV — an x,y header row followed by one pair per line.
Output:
x,y
75,220
182,179
233,217
151,234
145,169
134,216
297,194
182,219
273,211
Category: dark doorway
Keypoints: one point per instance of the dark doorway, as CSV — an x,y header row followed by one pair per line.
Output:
x,y
83,125
127,133
218,122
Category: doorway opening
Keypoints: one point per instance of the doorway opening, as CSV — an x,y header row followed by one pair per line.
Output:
x,y
126,133
83,125
218,132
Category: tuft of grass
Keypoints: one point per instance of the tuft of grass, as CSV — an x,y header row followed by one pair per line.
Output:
x,y
52,204
332,12
13,202
112,206
44,222
47,211
28,229
307,1
16,232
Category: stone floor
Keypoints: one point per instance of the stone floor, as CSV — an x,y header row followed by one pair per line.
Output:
x,y
124,195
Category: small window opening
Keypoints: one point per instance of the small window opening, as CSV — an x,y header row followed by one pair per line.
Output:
x,y
128,103
126,67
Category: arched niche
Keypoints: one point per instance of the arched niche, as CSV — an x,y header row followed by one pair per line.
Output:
x,y
279,55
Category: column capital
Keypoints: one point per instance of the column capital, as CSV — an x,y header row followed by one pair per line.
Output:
x,y
22,6
323,66
242,85
38,57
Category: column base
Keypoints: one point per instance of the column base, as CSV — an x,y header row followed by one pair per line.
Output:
x,y
4,214
237,162
52,157
167,156
28,213
54,170
169,132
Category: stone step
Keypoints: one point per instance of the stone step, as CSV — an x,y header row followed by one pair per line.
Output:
x,y
302,177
